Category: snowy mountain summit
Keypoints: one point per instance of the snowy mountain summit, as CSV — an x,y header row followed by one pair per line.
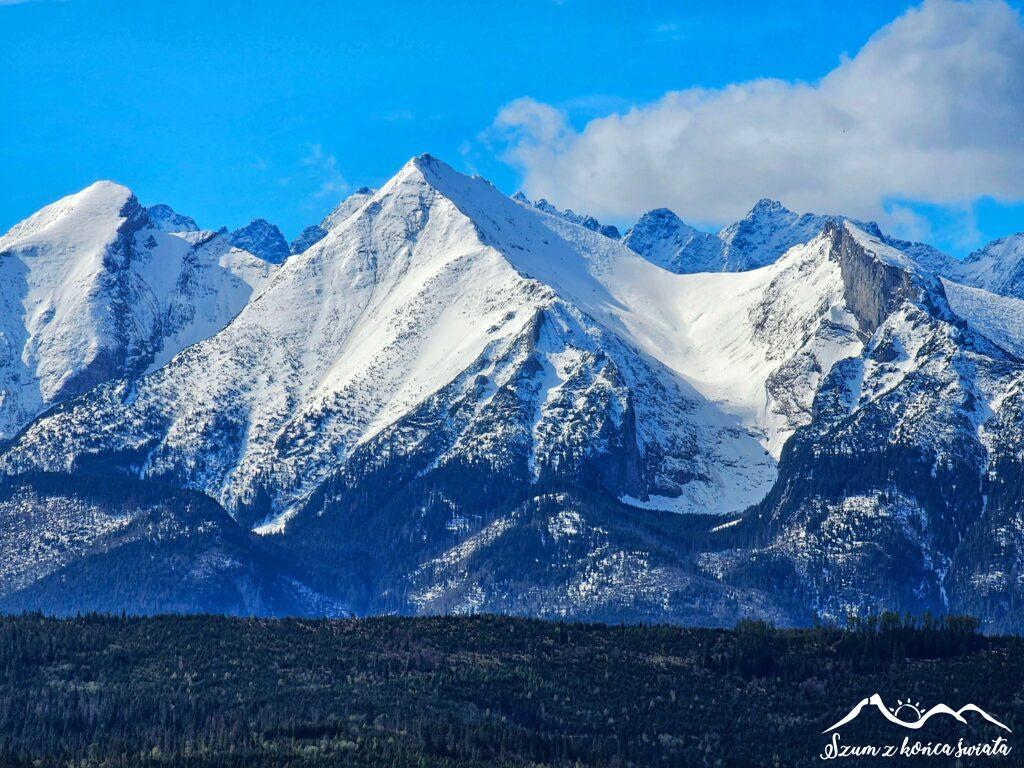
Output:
x,y
998,267
262,238
92,288
759,238
536,416
164,218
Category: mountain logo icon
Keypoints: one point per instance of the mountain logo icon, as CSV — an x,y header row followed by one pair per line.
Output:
x,y
909,715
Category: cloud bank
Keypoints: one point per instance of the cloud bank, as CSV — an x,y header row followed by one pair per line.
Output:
x,y
930,110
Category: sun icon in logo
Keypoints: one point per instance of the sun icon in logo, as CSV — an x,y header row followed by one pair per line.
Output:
x,y
906,711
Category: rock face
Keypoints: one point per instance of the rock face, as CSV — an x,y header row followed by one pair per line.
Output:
x,y
263,239
455,401
877,279
164,218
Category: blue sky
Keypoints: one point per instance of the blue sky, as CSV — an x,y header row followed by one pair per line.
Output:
x,y
232,110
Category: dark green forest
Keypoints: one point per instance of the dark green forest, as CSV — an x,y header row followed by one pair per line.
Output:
x,y
481,691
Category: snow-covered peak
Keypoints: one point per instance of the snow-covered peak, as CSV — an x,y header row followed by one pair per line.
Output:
x,y
762,318
74,240
768,207
669,242
762,236
998,267
434,172
766,232
92,289
263,239
166,219
87,218
65,289
657,220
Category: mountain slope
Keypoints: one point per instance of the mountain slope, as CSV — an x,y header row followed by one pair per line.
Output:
x,y
456,401
312,235
882,492
998,267
440,280
77,544
92,289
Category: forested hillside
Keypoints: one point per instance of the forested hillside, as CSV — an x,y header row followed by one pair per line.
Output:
x,y
483,691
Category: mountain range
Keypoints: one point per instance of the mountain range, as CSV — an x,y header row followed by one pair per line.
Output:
x,y
444,399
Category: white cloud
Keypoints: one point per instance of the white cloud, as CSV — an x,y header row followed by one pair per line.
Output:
x,y
325,166
909,223
930,110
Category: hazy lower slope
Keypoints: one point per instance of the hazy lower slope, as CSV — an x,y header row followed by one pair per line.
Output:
x,y
77,544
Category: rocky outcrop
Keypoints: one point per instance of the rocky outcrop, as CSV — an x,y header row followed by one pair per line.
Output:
x,y
263,239
873,289
307,238
166,219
